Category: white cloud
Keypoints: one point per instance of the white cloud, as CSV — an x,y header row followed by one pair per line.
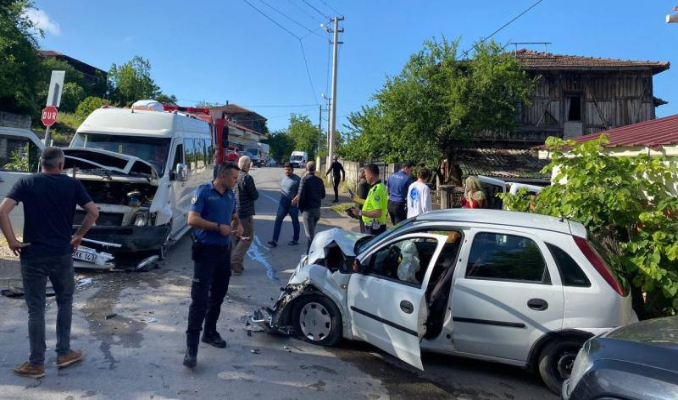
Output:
x,y
43,21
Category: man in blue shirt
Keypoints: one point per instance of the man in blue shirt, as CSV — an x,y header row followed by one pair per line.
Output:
x,y
213,218
398,184
289,186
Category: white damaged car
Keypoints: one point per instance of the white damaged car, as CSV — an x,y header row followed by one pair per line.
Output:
x,y
521,289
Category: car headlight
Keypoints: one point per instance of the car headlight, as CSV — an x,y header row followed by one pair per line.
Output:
x,y
582,364
141,218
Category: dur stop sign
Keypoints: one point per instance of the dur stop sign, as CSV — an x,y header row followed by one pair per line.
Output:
x,y
49,115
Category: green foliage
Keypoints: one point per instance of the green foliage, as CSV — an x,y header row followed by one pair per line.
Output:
x,y
631,194
132,81
167,99
205,104
438,102
88,105
281,146
71,97
18,160
19,61
304,134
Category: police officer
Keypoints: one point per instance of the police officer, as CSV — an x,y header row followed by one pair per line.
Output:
x,y
213,218
374,211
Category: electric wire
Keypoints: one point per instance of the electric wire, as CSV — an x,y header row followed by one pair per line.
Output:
x,y
327,17
304,11
290,19
331,8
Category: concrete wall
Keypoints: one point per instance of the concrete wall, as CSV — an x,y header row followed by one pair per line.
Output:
x,y
15,120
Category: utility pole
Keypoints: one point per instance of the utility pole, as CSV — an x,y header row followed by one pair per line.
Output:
x,y
320,126
333,99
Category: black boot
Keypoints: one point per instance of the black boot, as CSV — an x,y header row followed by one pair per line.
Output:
x,y
191,357
213,338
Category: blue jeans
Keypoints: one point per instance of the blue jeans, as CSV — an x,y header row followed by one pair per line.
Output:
x,y
211,276
35,272
284,208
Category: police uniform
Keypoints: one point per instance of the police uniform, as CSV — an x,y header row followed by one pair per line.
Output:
x,y
212,262
377,199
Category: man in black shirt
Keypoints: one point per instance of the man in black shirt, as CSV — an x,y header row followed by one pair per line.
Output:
x,y
338,175
309,198
49,201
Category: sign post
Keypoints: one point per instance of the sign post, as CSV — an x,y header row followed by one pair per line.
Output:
x,y
48,118
56,85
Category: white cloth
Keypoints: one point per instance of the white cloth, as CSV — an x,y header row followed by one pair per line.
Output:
x,y
409,265
418,199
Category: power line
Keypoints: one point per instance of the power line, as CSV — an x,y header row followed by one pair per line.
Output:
x,y
331,8
308,71
290,19
304,11
502,27
316,10
272,20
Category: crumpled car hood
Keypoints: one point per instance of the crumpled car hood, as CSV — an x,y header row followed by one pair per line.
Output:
x,y
344,239
96,158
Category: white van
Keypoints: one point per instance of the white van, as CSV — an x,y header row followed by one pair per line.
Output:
x,y
299,159
140,168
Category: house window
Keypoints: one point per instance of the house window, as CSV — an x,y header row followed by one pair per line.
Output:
x,y
574,108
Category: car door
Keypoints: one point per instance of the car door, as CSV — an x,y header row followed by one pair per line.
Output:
x,y
507,294
20,153
386,301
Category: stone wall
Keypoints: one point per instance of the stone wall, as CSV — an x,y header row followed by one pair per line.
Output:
x,y
15,120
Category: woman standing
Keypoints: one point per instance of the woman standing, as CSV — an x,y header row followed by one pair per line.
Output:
x,y
475,196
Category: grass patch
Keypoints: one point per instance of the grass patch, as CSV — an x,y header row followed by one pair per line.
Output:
x,y
342,206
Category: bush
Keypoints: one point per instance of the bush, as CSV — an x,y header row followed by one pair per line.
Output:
x,y
627,195
71,97
88,105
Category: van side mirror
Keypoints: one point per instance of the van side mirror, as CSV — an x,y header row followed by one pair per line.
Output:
x,y
358,267
181,173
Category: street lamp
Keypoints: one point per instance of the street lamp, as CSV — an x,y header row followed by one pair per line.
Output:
x,y
672,18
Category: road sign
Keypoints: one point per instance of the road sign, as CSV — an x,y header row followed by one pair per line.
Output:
x,y
56,86
49,115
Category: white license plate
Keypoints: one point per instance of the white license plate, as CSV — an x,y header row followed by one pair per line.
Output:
x,y
83,256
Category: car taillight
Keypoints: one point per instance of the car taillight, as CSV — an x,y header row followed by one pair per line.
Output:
x,y
599,264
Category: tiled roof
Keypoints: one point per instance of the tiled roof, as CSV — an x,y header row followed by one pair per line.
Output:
x,y
653,133
535,60
501,163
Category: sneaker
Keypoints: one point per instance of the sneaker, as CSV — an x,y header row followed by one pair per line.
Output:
x,y
273,243
71,358
29,370
293,243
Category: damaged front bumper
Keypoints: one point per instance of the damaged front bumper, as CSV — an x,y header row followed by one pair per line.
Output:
x,y
278,319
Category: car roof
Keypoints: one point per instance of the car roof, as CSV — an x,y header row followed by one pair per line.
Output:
x,y
120,121
504,218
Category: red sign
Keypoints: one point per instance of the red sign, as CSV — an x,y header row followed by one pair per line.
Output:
x,y
49,115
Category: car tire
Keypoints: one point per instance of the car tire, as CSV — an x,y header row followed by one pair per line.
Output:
x,y
317,320
556,361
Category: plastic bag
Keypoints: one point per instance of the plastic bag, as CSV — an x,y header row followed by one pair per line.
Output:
x,y
409,265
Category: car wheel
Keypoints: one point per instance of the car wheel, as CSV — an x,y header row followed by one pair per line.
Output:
x,y
317,320
556,361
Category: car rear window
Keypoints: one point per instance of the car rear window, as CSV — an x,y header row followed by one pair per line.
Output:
x,y
612,261
570,272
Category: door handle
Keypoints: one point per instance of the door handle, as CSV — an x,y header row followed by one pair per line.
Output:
x,y
538,304
407,307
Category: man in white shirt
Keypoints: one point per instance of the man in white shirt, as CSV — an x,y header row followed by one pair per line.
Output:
x,y
419,195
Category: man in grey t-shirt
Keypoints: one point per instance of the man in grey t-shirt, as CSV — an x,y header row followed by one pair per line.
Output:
x,y
289,186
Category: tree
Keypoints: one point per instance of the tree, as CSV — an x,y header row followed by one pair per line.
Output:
x,y
205,104
19,61
88,105
438,104
304,134
281,145
627,199
71,96
167,99
132,81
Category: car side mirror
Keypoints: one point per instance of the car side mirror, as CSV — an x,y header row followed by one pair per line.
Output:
x,y
358,267
181,174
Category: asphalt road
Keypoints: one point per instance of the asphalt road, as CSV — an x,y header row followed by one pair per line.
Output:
x,y
138,353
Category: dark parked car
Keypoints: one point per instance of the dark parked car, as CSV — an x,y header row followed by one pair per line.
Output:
x,y
637,361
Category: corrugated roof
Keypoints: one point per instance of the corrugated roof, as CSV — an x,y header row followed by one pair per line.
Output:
x,y
535,60
501,163
653,133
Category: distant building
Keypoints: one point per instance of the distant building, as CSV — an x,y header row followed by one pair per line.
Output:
x,y
243,125
574,96
94,76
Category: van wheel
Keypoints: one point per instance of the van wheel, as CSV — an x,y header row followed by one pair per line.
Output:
x,y
317,320
556,361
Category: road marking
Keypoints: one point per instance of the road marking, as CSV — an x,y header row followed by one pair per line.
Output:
x,y
255,254
268,197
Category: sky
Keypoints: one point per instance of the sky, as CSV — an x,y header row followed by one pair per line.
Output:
x,y
226,50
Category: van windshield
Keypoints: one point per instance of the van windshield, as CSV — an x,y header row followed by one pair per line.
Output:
x,y
296,158
152,150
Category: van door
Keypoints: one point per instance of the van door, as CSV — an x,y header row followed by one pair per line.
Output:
x,y
20,152
181,193
507,294
386,301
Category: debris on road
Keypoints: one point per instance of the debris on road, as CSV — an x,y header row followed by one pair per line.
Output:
x,y
152,320
111,315
84,282
255,351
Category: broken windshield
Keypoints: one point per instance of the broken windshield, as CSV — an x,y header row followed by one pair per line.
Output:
x,y
152,150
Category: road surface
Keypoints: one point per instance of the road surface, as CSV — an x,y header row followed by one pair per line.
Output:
x,y
138,353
